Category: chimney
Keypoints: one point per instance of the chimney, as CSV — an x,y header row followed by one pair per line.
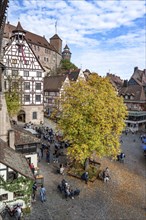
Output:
x,y
11,139
135,69
125,84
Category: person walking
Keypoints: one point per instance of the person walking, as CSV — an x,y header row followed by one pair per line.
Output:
x,y
85,177
34,190
48,155
42,193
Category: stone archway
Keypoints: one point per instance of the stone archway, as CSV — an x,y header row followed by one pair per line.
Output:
x,y
21,116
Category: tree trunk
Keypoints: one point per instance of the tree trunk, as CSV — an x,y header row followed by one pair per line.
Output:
x,y
86,164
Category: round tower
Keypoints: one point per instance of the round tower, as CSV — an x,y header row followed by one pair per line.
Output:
x,y
66,54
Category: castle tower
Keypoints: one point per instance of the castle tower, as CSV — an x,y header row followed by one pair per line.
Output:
x,y
66,54
56,42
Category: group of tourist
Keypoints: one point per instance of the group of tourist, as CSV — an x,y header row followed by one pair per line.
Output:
x,y
42,192
50,151
67,190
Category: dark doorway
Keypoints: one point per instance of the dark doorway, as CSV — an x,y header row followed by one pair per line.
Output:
x,y
21,116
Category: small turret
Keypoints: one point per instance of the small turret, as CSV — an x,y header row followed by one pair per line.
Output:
x,y
19,34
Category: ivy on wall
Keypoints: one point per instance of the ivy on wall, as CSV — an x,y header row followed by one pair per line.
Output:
x,y
22,185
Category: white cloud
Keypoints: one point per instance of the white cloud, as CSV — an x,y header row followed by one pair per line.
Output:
x,y
85,26
120,62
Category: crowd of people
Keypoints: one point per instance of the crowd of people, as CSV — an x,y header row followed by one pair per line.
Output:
x,y
52,147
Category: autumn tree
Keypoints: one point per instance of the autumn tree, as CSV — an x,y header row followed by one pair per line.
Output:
x,y
12,95
92,118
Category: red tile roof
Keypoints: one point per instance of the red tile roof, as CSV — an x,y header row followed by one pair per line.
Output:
x,y
30,37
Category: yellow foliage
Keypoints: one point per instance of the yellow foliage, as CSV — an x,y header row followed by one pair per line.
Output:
x,y
92,118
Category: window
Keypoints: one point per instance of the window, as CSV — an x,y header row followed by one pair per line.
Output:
x,y
15,85
52,93
46,50
39,74
50,100
27,98
26,85
38,86
34,115
26,62
14,72
44,58
26,73
4,197
14,61
38,98
12,175
18,194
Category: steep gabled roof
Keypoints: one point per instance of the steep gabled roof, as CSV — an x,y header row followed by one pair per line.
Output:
x,y
139,76
14,160
116,81
136,91
23,137
54,83
30,37
55,37
72,74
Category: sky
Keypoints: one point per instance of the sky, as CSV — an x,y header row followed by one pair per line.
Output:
x,y
103,35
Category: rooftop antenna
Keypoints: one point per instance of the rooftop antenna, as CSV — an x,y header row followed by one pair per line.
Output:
x,y
56,27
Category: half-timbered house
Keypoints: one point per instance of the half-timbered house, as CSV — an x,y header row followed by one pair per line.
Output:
x,y
24,70
134,94
48,53
12,166
54,86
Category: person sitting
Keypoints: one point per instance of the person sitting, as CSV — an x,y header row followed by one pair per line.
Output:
x,y
61,170
85,177
106,175
121,157
69,192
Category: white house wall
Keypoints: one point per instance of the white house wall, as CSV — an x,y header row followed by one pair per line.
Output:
x,y
29,71
33,159
10,194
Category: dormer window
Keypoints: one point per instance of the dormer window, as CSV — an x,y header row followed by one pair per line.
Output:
x,y
126,97
12,175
